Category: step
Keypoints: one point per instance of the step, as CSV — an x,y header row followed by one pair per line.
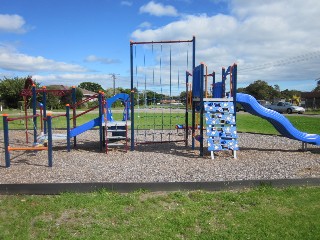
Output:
x,y
115,144
115,137
116,130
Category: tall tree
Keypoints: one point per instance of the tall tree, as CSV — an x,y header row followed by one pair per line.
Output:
x,y
261,90
316,89
67,99
10,89
91,86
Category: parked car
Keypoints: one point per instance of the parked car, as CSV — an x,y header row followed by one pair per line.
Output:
x,y
285,107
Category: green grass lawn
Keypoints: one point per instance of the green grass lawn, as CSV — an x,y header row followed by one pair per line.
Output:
x,y
245,122
259,213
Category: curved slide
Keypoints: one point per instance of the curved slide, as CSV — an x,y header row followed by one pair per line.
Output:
x,y
281,123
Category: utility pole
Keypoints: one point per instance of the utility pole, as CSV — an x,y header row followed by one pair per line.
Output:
x,y
113,76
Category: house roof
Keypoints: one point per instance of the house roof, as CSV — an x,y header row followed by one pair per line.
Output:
x,y
58,87
62,87
87,92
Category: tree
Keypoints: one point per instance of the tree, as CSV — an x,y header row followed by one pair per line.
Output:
x,y
241,90
261,90
289,94
53,101
67,98
91,86
316,89
276,87
10,89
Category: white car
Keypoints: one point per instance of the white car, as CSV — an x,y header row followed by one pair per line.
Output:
x,y
286,107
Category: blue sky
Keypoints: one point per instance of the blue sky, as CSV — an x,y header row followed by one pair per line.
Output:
x,y
72,41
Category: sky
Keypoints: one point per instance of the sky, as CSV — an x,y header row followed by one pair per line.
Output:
x,y
73,41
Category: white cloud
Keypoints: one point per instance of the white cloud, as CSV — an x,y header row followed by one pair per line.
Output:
x,y
12,60
12,23
270,40
126,3
93,58
158,9
145,25
71,79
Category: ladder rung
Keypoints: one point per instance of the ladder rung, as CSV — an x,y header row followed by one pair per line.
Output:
x,y
115,144
116,130
116,137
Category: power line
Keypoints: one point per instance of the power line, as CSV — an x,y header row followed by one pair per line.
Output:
x,y
282,62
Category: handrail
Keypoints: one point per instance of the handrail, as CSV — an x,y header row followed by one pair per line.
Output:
x,y
21,118
59,115
84,101
89,110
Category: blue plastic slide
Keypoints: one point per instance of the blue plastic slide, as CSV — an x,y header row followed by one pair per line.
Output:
x,y
85,127
96,122
281,123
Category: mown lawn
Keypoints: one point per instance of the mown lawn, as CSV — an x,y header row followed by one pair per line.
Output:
x,y
149,120
259,213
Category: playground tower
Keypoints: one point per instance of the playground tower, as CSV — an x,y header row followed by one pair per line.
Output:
x,y
218,107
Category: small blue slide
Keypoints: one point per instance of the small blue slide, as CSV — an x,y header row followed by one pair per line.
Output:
x,y
96,122
85,127
281,123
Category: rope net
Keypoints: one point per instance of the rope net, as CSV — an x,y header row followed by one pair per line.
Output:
x,y
160,86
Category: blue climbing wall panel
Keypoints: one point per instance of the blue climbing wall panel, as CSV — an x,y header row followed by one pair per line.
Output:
x,y
221,126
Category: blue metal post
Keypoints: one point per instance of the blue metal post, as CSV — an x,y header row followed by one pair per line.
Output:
x,y
6,139
74,113
100,96
193,116
186,114
44,100
223,81
213,82
34,108
213,77
132,97
49,121
234,87
201,107
193,52
68,126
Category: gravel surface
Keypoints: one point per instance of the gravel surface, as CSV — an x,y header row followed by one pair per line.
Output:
x,y
260,157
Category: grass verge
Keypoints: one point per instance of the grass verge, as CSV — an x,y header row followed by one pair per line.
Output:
x,y
245,122
259,213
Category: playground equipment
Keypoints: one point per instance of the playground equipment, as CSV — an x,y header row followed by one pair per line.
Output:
x,y
116,131
35,147
155,69
30,90
76,130
219,111
212,106
281,123
104,121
